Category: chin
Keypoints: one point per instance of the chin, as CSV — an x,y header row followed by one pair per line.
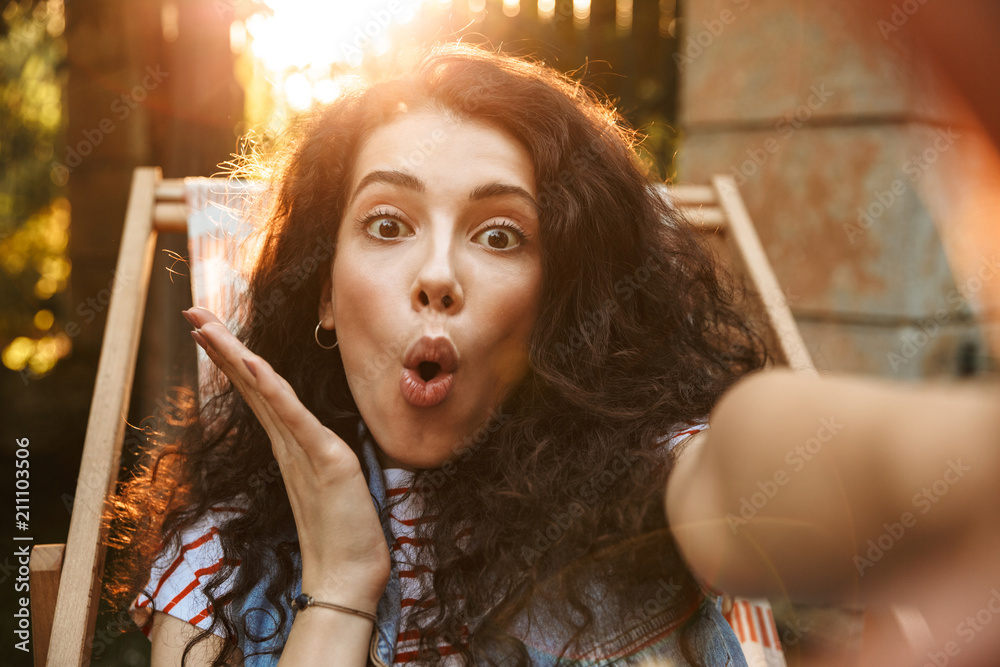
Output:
x,y
406,444
418,455
426,438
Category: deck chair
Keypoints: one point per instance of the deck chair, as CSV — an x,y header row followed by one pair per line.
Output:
x,y
66,579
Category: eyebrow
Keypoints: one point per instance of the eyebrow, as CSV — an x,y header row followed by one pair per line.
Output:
x,y
411,182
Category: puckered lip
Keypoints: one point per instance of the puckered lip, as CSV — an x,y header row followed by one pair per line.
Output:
x,y
435,349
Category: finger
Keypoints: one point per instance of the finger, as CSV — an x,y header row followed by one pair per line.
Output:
x,y
233,356
257,403
315,439
227,353
298,424
199,317
232,350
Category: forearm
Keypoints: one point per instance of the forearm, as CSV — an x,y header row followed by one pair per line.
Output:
x,y
797,474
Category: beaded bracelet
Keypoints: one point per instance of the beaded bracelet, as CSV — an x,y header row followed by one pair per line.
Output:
x,y
305,601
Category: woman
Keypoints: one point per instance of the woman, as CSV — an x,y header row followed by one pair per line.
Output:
x,y
512,330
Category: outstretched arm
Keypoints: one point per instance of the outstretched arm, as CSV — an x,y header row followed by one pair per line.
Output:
x,y
843,490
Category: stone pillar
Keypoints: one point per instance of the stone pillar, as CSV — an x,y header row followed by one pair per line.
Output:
x,y
842,145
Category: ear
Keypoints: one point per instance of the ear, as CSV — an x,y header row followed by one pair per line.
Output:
x,y
326,317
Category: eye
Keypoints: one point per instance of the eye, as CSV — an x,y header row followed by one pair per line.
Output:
x,y
502,237
383,227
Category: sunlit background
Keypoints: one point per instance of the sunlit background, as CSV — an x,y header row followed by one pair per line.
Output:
x,y
34,213
295,53
287,56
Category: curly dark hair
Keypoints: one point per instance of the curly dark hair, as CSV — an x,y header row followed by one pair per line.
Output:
x,y
639,330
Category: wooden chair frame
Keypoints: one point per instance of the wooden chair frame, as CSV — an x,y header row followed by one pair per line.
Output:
x,y
64,622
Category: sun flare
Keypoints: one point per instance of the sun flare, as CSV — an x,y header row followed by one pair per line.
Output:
x,y
299,51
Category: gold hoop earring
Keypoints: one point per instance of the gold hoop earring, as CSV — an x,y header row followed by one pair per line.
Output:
x,y
316,336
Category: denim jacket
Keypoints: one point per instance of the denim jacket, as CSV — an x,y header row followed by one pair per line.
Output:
x,y
652,623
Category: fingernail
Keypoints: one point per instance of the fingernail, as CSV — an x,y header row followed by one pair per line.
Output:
x,y
190,318
196,334
246,362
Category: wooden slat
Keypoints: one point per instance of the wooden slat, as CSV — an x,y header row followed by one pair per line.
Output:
x,y
44,567
744,237
170,189
697,203
170,217
80,584
710,219
690,195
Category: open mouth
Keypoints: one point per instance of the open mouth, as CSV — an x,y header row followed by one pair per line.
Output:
x,y
428,371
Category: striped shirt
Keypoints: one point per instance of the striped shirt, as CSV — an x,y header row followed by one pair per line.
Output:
x,y
178,577
410,556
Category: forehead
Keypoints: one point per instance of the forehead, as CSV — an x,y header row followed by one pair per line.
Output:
x,y
446,151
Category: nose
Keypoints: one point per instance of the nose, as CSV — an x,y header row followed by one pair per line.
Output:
x,y
437,286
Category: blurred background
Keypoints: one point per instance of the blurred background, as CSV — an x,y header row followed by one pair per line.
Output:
x,y
852,154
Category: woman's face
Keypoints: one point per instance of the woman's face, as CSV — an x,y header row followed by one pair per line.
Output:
x,y
436,281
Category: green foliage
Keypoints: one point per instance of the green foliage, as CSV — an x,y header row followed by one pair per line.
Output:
x,y
34,217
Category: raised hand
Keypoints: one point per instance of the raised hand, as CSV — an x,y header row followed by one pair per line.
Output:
x,y
345,558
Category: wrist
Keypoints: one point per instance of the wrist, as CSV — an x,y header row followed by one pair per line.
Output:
x,y
305,601
360,590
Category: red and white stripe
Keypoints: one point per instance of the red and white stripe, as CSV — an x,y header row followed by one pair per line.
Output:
x,y
682,432
754,625
178,577
408,552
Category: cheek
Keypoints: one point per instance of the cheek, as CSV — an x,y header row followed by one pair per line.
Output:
x,y
363,308
528,304
362,293
510,361
515,312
